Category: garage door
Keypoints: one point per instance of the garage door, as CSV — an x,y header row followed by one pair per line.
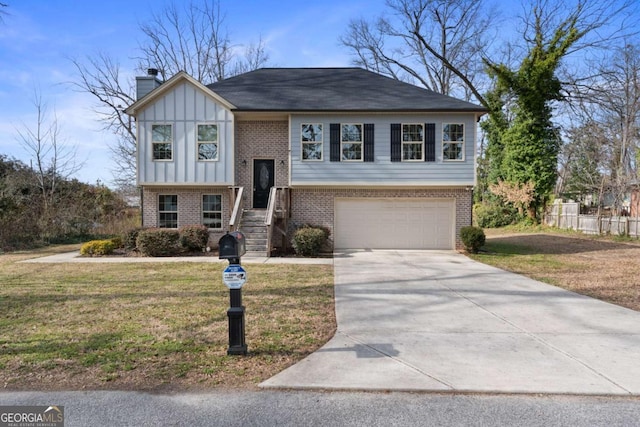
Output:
x,y
394,224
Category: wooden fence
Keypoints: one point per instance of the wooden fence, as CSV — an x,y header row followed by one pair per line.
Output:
x,y
567,216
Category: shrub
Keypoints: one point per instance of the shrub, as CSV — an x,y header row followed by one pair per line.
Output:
x,y
130,237
194,237
97,247
494,215
308,240
473,238
117,242
158,242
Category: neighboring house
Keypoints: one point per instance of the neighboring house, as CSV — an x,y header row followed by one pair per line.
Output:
x,y
378,162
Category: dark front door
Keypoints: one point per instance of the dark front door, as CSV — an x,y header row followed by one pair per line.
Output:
x,y
262,182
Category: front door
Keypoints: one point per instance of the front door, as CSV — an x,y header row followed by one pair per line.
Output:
x,y
263,180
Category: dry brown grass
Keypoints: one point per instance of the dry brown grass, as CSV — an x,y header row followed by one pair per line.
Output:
x,y
599,267
153,326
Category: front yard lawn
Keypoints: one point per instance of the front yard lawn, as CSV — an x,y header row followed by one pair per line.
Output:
x,y
599,267
159,326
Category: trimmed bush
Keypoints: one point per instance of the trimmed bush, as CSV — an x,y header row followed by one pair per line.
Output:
x,y
473,238
308,240
97,247
194,237
130,237
158,242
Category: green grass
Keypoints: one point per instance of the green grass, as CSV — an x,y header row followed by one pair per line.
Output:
x,y
149,326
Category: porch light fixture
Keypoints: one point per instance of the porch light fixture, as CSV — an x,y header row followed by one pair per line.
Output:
x,y
244,163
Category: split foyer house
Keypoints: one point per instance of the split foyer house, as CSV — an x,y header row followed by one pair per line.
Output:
x,y
380,163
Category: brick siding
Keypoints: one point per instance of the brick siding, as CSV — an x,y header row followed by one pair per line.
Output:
x,y
189,207
261,140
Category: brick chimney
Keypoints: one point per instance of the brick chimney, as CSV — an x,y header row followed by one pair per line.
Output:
x,y
145,84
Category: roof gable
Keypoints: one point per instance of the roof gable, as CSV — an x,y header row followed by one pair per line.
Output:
x,y
331,89
169,85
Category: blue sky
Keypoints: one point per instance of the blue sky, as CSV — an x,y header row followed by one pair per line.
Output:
x,y
38,37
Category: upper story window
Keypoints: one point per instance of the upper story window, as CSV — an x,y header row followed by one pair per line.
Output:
x,y
162,141
311,139
168,211
412,142
452,141
207,142
212,211
351,140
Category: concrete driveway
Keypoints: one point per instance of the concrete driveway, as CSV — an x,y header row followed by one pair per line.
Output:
x,y
440,322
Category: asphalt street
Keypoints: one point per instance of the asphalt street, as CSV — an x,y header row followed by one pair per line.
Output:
x,y
312,408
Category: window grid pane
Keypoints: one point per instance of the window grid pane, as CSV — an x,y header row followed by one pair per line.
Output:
x,y
412,151
311,132
212,211
412,141
207,142
351,133
168,211
351,137
453,141
161,138
311,151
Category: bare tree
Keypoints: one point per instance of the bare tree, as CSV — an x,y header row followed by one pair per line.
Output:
x,y
102,78
52,158
189,38
610,102
2,11
439,44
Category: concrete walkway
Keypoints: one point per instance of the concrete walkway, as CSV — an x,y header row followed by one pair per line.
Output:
x,y
440,322
74,257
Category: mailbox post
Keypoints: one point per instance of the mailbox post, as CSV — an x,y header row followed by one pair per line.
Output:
x,y
231,247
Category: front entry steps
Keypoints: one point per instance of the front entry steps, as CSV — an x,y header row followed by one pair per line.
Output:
x,y
255,232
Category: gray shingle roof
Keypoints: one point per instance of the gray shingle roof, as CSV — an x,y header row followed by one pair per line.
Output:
x,y
331,89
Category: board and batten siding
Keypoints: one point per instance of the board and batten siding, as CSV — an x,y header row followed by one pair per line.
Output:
x,y
382,171
184,107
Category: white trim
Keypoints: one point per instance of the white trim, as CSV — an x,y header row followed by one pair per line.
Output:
x,y
177,211
202,211
321,142
217,142
173,137
170,84
185,184
443,142
361,142
402,142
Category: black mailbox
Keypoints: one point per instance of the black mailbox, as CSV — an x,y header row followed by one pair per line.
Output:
x,y
232,245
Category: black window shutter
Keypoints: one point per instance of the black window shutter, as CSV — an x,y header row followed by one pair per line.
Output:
x,y
368,142
396,142
429,142
334,142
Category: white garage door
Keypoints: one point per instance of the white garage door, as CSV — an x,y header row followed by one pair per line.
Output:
x,y
394,224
